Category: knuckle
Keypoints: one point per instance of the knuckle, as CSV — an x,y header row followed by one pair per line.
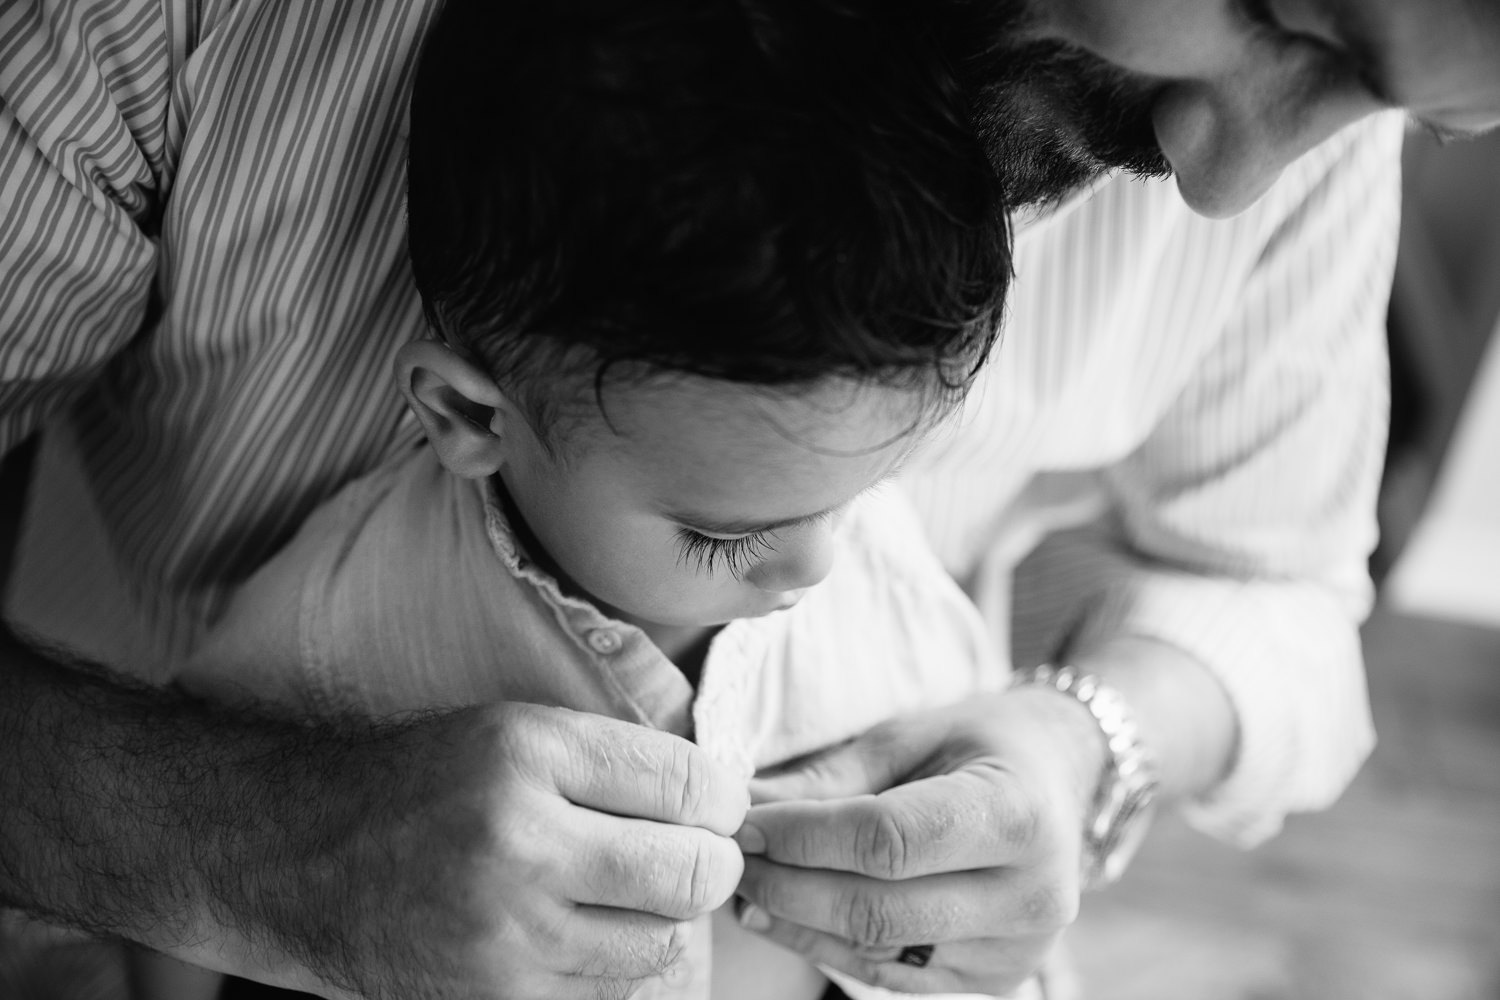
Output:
x,y
687,781
655,950
870,921
637,951
525,740
765,889
1050,908
514,840
546,936
1021,824
616,869
882,846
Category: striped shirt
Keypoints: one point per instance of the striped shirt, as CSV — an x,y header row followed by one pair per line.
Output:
x,y
1207,401
203,281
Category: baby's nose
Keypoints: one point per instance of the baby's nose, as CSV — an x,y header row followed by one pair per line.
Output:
x,y
796,566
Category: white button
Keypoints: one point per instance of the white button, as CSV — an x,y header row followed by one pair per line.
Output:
x,y
604,641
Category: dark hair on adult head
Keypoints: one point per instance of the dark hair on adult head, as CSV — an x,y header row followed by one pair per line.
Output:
x,y
763,191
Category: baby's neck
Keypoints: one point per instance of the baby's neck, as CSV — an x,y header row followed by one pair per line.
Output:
x,y
684,645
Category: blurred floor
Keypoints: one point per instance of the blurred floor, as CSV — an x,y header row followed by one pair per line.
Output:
x,y
1393,894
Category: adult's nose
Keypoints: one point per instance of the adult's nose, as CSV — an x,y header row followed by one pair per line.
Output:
x,y
1228,136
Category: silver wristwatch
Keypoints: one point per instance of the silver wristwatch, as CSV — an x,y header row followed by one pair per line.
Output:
x,y
1121,810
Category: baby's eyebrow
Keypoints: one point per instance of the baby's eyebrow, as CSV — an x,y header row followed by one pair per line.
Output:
x,y
748,526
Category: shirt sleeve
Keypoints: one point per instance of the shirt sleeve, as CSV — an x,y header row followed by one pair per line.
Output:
x,y
83,113
1241,528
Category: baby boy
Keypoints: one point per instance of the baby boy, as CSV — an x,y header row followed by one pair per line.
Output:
x,y
700,273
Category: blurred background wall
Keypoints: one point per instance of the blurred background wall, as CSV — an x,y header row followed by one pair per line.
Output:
x,y
1442,490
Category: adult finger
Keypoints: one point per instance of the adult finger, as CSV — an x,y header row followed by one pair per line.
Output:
x,y
984,965
975,817
676,872
618,767
626,945
875,760
1002,902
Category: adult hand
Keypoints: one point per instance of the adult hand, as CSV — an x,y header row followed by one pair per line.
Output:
x,y
510,850
513,851
958,827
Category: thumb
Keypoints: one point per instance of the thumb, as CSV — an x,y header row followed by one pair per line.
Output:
x,y
867,764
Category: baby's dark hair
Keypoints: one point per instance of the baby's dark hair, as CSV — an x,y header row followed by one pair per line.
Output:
x,y
770,192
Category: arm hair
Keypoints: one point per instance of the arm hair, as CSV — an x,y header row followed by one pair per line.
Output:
x,y
222,838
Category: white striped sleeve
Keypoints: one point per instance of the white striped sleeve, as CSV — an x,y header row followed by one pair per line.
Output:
x,y
83,92
1249,512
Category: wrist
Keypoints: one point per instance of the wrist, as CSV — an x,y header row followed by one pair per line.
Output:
x,y
1074,741
1183,714
128,811
290,877
84,799
1120,808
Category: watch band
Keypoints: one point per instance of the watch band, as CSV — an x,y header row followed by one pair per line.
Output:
x,y
1122,803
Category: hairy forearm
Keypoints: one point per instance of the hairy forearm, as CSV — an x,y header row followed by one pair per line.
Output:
x,y
138,813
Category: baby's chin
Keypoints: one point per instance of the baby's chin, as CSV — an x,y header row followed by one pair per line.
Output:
x,y
765,603
769,603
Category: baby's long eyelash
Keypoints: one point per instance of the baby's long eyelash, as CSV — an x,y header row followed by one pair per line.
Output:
x,y
736,555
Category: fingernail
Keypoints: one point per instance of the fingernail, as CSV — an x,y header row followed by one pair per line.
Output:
x,y
750,839
753,918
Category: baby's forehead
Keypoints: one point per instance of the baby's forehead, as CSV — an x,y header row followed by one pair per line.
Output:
x,y
832,418
731,455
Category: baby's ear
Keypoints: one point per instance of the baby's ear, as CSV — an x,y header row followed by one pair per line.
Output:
x,y
456,402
